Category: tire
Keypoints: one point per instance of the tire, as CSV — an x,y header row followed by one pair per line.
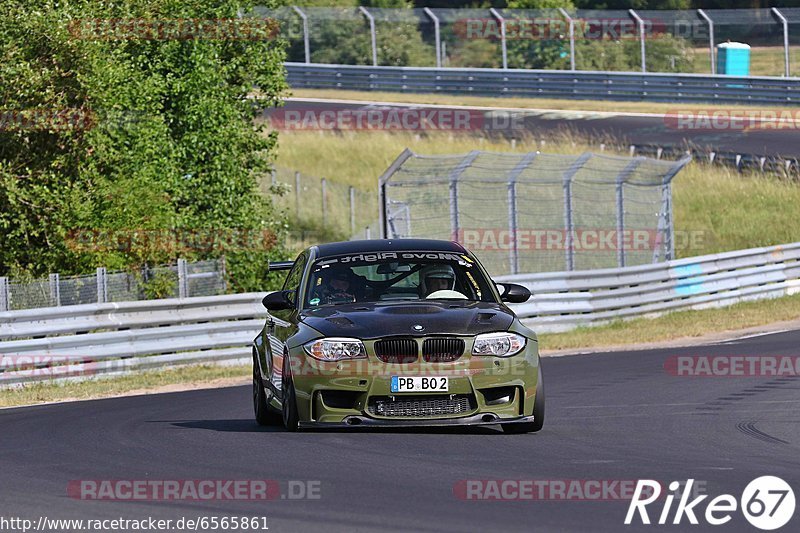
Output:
x,y
538,413
289,401
265,416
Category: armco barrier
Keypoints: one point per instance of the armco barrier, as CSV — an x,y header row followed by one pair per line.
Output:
x,y
78,341
594,85
564,300
127,337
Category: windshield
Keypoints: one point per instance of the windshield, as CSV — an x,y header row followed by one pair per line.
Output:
x,y
394,276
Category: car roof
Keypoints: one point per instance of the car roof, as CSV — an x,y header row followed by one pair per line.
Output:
x,y
387,245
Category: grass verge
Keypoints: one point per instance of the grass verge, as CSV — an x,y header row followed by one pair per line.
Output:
x,y
677,325
133,384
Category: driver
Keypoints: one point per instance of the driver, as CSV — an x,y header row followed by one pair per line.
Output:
x,y
336,288
437,278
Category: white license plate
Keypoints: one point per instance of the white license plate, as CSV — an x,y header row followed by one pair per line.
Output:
x,y
419,384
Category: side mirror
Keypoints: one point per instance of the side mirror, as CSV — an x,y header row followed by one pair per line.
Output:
x,y
513,293
278,301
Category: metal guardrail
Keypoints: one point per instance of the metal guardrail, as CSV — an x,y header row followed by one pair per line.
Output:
x,y
564,300
627,86
76,342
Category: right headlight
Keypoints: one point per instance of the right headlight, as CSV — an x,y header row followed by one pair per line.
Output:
x,y
498,344
336,349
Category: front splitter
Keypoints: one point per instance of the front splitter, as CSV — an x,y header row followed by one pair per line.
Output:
x,y
357,421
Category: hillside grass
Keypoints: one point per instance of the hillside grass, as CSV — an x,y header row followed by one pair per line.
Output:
x,y
723,209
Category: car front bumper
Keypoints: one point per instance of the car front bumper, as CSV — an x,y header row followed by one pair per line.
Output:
x,y
494,389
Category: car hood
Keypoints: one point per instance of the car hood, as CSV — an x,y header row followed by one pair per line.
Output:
x,y
385,319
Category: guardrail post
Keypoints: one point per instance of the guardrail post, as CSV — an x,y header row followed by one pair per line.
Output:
x,y
373,40
640,23
710,38
503,46
324,183
102,286
569,226
571,23
785,24
297,193
306,42
5,294
436,34
183,279
55,290
352,211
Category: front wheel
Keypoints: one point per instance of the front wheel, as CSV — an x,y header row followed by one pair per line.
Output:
x,y
538,413
289,401
264,415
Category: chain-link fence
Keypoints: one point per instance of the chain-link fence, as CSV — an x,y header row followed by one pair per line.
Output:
x,y
203,278
577,39
535,212
321,209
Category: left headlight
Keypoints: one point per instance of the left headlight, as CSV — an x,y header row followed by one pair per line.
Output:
x,y
336,349
498,344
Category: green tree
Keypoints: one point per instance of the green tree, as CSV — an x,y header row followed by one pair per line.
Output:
x,y
169,142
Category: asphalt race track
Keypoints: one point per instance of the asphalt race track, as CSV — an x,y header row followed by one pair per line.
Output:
x,y
616,416
622,128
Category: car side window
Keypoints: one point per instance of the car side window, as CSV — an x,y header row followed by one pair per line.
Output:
x,y
295,276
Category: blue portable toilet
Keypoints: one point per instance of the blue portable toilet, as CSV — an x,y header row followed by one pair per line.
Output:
x,y
733,59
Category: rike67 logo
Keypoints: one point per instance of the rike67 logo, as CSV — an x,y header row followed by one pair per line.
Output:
x,y
767,503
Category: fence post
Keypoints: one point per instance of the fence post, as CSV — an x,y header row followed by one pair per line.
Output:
x,y
274,177
368,232
785,24
640,23
5,294
183,279
513,218
571,23
710,39
324,201
306,45
297,193
568,215
436,35
503,46
454,176
622,177
55,290
373,40
352,211
102,286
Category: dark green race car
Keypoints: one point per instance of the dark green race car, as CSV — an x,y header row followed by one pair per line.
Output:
x,y
403,332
